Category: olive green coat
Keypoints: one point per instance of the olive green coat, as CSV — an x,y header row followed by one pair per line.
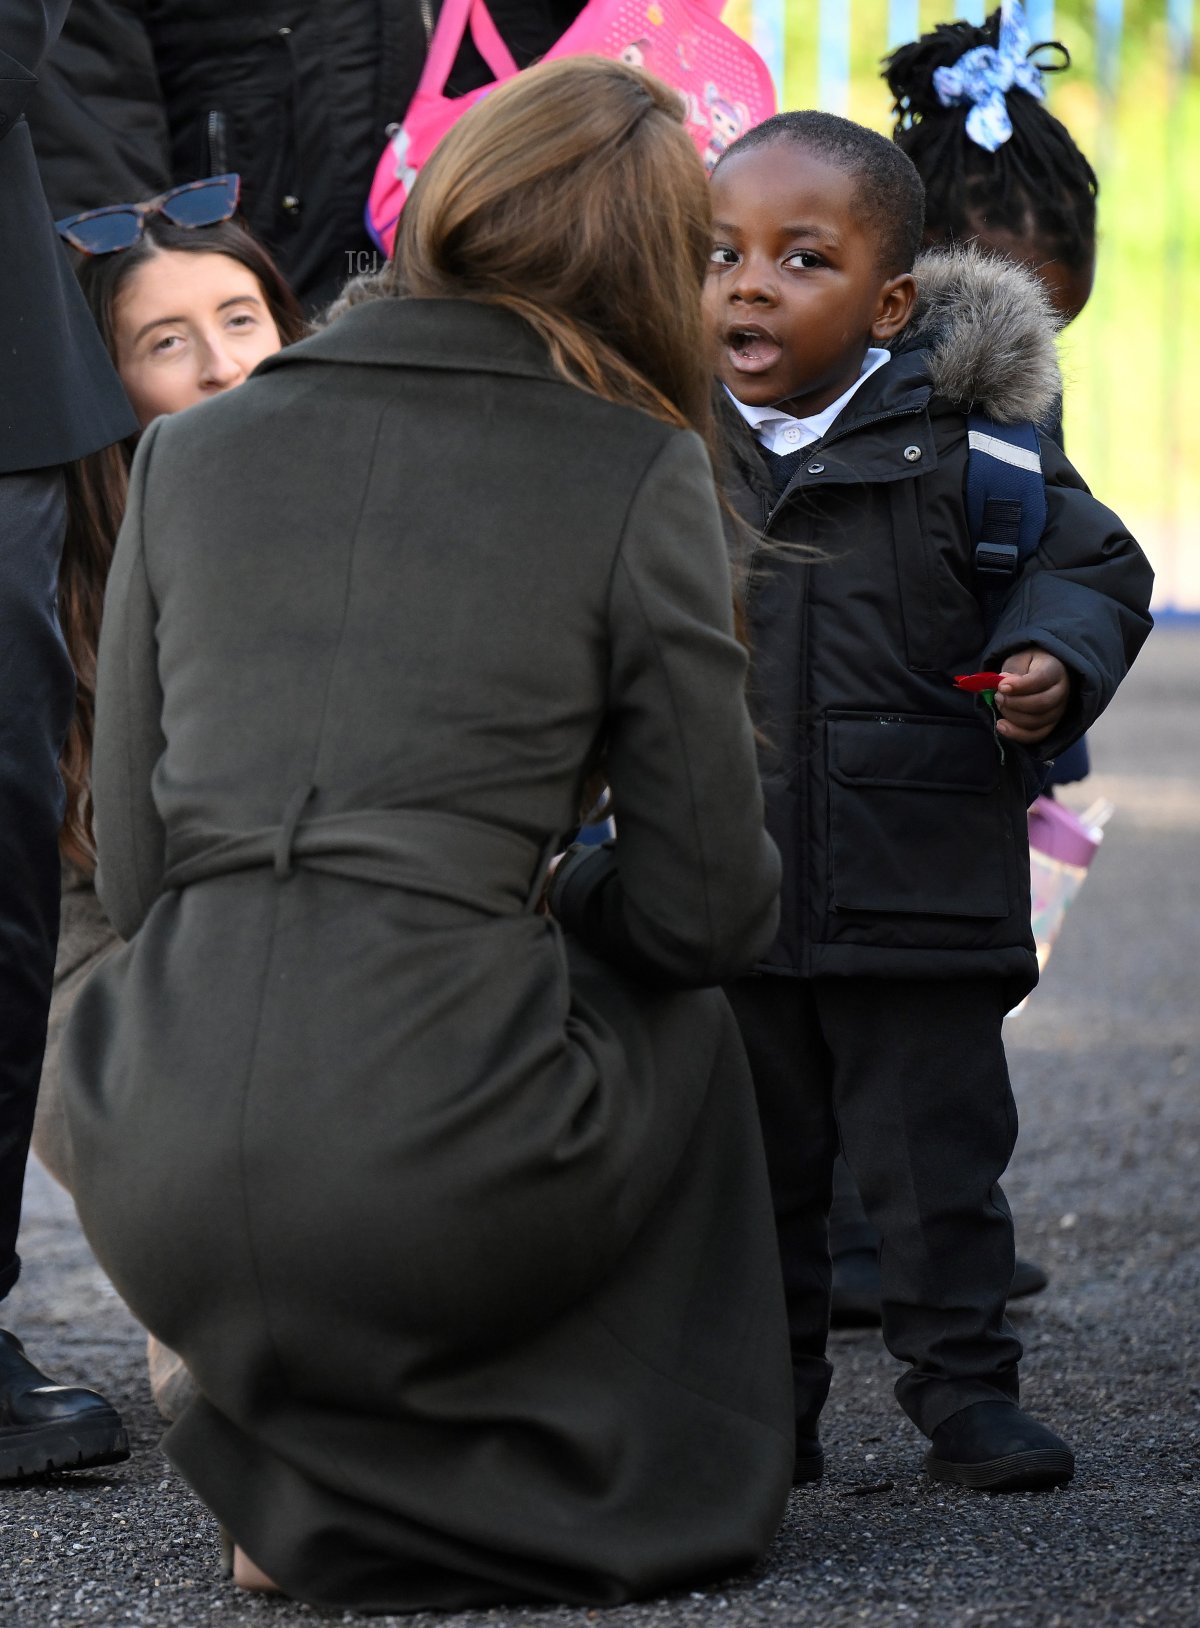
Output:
x,y
460,1224
85,940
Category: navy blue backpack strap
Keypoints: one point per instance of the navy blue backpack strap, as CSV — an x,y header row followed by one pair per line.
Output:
x,y
1006,505
1006,511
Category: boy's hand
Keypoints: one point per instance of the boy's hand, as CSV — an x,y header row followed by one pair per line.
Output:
x,y
1032,697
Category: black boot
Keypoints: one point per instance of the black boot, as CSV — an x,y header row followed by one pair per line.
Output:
x,y
1028,1278
44,1426
809,1464
810,1456
998,1448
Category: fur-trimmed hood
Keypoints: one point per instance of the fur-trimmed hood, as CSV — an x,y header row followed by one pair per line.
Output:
x,y
988,329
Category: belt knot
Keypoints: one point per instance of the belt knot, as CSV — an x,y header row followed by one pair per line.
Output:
x,y
292,810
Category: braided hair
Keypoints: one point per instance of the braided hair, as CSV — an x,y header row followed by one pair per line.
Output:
x,y
1036,185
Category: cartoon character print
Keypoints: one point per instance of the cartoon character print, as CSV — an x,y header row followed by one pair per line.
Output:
x,y
726,122
635,53
401,143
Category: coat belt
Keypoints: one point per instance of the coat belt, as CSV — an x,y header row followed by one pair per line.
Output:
x,y
426,851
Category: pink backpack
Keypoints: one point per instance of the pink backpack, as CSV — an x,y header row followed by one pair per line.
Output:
x,y
724,84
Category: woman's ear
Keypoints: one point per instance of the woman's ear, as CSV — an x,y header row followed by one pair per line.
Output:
x,y
897,298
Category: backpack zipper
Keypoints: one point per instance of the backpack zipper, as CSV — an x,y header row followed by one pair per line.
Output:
x,y
427,20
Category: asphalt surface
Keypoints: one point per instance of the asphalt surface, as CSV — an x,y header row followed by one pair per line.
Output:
x,y
1106,1066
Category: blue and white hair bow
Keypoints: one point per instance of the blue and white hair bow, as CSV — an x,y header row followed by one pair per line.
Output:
x,y
983,75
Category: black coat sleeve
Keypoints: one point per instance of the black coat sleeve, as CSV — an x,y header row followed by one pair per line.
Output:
x,y
59,395
97,117
28,28
1084,596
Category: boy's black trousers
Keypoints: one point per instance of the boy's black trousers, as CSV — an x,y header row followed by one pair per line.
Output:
x,y
909,1075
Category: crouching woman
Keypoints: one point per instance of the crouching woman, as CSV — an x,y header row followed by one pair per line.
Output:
x,y
455,1209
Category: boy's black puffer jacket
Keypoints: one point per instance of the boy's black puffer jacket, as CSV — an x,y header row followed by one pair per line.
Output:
x,y
902,831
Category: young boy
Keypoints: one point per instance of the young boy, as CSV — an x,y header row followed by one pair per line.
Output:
x,y
897,801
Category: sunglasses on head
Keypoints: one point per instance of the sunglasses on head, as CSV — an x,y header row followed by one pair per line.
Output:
x,y
118,226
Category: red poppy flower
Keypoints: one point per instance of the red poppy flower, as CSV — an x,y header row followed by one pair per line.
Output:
x,y
978,683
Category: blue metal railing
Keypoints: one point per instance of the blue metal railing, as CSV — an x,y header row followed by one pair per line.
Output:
x,y
768,35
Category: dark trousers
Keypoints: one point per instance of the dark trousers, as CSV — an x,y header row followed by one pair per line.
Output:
x,y
848,1225
910,1076
37,693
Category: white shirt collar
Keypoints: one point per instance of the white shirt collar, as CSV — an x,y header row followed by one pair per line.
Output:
x,y
780,433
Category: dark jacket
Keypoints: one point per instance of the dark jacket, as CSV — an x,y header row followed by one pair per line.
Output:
x,y
294,95
59,395
900,819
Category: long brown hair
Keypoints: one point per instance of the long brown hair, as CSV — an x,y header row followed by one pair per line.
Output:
x,y
574,197
97,488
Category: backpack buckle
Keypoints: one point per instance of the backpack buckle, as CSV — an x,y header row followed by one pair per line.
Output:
x,y
996,559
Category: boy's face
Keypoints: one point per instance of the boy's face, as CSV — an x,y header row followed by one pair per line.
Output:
x,y
794,294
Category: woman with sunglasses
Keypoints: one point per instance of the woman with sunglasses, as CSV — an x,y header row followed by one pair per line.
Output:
x,y
187,301
456,1211
188,304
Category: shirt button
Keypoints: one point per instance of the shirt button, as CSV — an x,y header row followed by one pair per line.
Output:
x,y
792,434
816,469
913,454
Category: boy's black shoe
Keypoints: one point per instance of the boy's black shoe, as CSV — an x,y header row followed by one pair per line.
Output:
x,y
997,1447
855,1298
44,1426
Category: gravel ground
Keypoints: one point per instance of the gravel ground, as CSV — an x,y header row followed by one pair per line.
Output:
x,y
1106,1060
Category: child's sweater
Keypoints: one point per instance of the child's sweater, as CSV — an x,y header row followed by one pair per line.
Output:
x,y
901,824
